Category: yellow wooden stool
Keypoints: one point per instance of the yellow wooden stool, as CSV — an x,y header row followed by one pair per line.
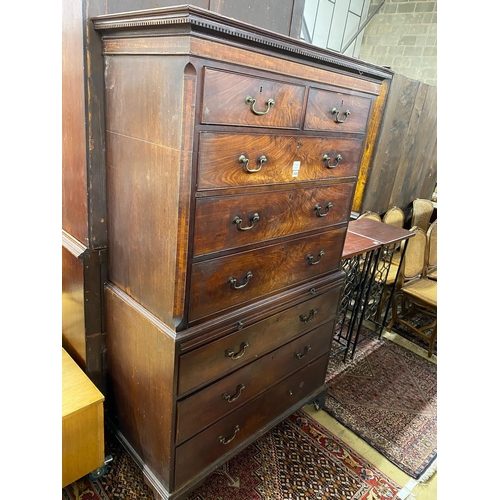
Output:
x,y
82,423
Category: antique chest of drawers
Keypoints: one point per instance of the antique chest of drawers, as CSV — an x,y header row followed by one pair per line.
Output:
x,y
232,159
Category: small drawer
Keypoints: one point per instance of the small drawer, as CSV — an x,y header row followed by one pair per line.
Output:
x,y
232,160
235,99
216,359
200,452
336,112
226,222
221,283
209,405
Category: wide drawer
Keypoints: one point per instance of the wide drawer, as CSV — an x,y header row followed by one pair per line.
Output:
x,y
235,99
226,222
204,449
231,160
216,359
209,405
220,283
335,111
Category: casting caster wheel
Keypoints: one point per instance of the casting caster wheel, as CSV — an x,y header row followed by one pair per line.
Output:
x,y
98,473
317,405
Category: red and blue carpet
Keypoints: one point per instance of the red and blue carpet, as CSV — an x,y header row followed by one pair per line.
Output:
x,y
298,458
387,395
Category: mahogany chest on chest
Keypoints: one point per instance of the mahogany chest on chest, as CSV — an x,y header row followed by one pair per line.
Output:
x,y
232,158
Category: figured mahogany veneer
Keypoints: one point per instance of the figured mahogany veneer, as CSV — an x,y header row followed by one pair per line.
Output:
x,y
350,115
216,441
230,179
272,268
227,100
227,222
282,152
205,364
208,405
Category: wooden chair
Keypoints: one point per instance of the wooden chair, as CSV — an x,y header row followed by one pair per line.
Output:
x,y
371,215
415,293
421,213
394,216
431,270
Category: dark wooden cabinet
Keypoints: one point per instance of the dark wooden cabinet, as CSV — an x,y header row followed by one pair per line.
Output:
x,y
84,216
232,158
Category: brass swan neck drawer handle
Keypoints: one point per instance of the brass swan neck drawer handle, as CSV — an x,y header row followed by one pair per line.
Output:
x,y
250,100
310,258
238,221
231,399
300,355
335,114
308,319
233,281
231,354
317,209
224,440
243,159
336,161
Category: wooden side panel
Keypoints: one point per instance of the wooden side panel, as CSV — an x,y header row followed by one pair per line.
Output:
x,y
83,170
422,160
149,136
370,143
141,380
74,157
83,276
404,165
73,307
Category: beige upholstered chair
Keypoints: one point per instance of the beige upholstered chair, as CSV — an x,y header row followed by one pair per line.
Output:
x,y
431,270
415,293
421,213
394,216
371,215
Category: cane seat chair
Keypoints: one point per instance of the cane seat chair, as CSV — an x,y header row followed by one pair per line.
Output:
x,y
421,213
394,216
414,303
370,215
431,271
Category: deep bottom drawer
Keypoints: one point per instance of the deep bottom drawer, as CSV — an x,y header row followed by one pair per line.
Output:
x,y
208,446
217,400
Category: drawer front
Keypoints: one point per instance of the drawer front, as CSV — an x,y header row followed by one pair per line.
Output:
x,y
212,361
217,284
232,160
334,111
226,222
209,405
236,99
201,451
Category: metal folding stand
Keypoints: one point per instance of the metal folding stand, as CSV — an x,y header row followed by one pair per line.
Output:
x,y
372,295
367,259
356,275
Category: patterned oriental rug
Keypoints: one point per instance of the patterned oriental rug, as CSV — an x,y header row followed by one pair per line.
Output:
x,y
298,458
387,395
